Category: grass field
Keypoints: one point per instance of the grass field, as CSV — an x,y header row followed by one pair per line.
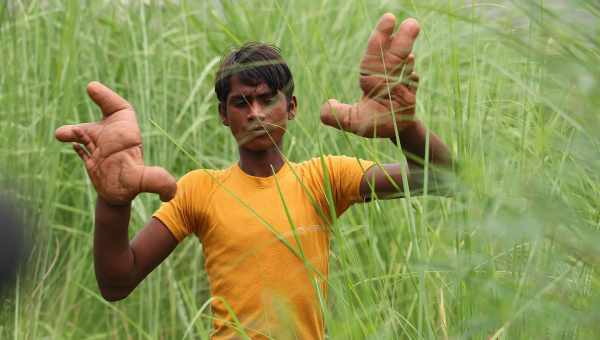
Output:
x,y
512,87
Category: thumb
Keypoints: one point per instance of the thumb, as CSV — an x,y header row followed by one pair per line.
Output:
x,y
158,180
337,115
108,101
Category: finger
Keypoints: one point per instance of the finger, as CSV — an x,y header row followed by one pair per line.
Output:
x,y
85,157
66,133
81,152
85,139
337,115
401,72
408,66
403,40
374,86
108,101
381,35
413,81
158,180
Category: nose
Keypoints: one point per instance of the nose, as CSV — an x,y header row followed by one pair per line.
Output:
x,y
257,111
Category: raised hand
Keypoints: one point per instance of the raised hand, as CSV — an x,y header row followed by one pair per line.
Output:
x,y
388,83
112,151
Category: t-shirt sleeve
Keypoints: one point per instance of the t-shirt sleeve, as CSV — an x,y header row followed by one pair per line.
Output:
x,y
182,215
345,174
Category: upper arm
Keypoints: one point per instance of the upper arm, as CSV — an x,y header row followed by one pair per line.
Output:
x,y
343,176
386,181
152,244
381,181
170,224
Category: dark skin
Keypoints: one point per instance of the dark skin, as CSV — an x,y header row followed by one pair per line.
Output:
x,y
387,110
257,117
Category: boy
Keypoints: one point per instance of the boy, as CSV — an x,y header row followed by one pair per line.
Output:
x,y
266,256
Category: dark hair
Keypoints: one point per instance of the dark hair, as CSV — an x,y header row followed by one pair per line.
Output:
x,y
254,63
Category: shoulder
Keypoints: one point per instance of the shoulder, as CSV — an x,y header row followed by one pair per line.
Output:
x,y
313,165
332,162
207,174
317,161
204,178
322,166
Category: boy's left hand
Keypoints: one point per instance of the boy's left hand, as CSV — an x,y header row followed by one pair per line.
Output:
x,y
388,83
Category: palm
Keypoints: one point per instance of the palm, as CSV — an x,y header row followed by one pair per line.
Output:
x,y
113,151
387,82
116,164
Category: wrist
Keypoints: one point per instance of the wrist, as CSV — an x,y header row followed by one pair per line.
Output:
x,y
113,205
407,131
111,218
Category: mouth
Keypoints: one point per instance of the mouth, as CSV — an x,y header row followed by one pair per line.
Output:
x,y
256,132
260,127
251,134
257,129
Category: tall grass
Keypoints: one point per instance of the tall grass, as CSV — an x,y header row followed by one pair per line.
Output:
x,y
511,86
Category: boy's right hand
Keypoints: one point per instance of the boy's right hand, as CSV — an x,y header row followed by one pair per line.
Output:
x,y
113,151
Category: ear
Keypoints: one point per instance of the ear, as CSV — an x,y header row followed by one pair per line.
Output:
x,y
292,107
223,114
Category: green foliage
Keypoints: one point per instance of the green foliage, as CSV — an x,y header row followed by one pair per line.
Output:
x,y
512,88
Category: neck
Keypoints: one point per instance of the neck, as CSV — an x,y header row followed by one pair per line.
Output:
x,y
261,163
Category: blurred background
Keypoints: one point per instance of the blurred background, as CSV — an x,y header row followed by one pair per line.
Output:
x,y
13,245
511,86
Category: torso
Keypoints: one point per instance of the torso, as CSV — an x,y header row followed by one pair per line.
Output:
x,y
266,249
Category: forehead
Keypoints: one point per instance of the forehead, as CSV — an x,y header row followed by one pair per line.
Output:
x,y
237,88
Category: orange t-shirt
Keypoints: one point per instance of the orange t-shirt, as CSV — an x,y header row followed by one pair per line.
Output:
x,y
265,241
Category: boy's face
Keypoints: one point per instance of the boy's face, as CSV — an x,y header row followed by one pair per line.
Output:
x,y
256,115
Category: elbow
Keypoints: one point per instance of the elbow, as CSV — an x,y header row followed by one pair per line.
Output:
x,y
442,183
439,189
115,283
445,193
112,297
112,294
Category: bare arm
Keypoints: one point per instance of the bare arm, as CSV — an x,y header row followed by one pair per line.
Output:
x,y
111,150
413,141
386,181
387,110
120,264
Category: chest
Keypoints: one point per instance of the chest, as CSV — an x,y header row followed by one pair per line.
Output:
x,y
286,214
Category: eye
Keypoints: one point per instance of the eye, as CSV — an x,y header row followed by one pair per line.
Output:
x,y
239,103
270,100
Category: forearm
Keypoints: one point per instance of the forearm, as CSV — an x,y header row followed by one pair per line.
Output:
x,y
414,145
417,149
114,259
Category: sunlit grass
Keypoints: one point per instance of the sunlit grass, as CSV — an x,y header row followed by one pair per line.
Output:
x,y
511,87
